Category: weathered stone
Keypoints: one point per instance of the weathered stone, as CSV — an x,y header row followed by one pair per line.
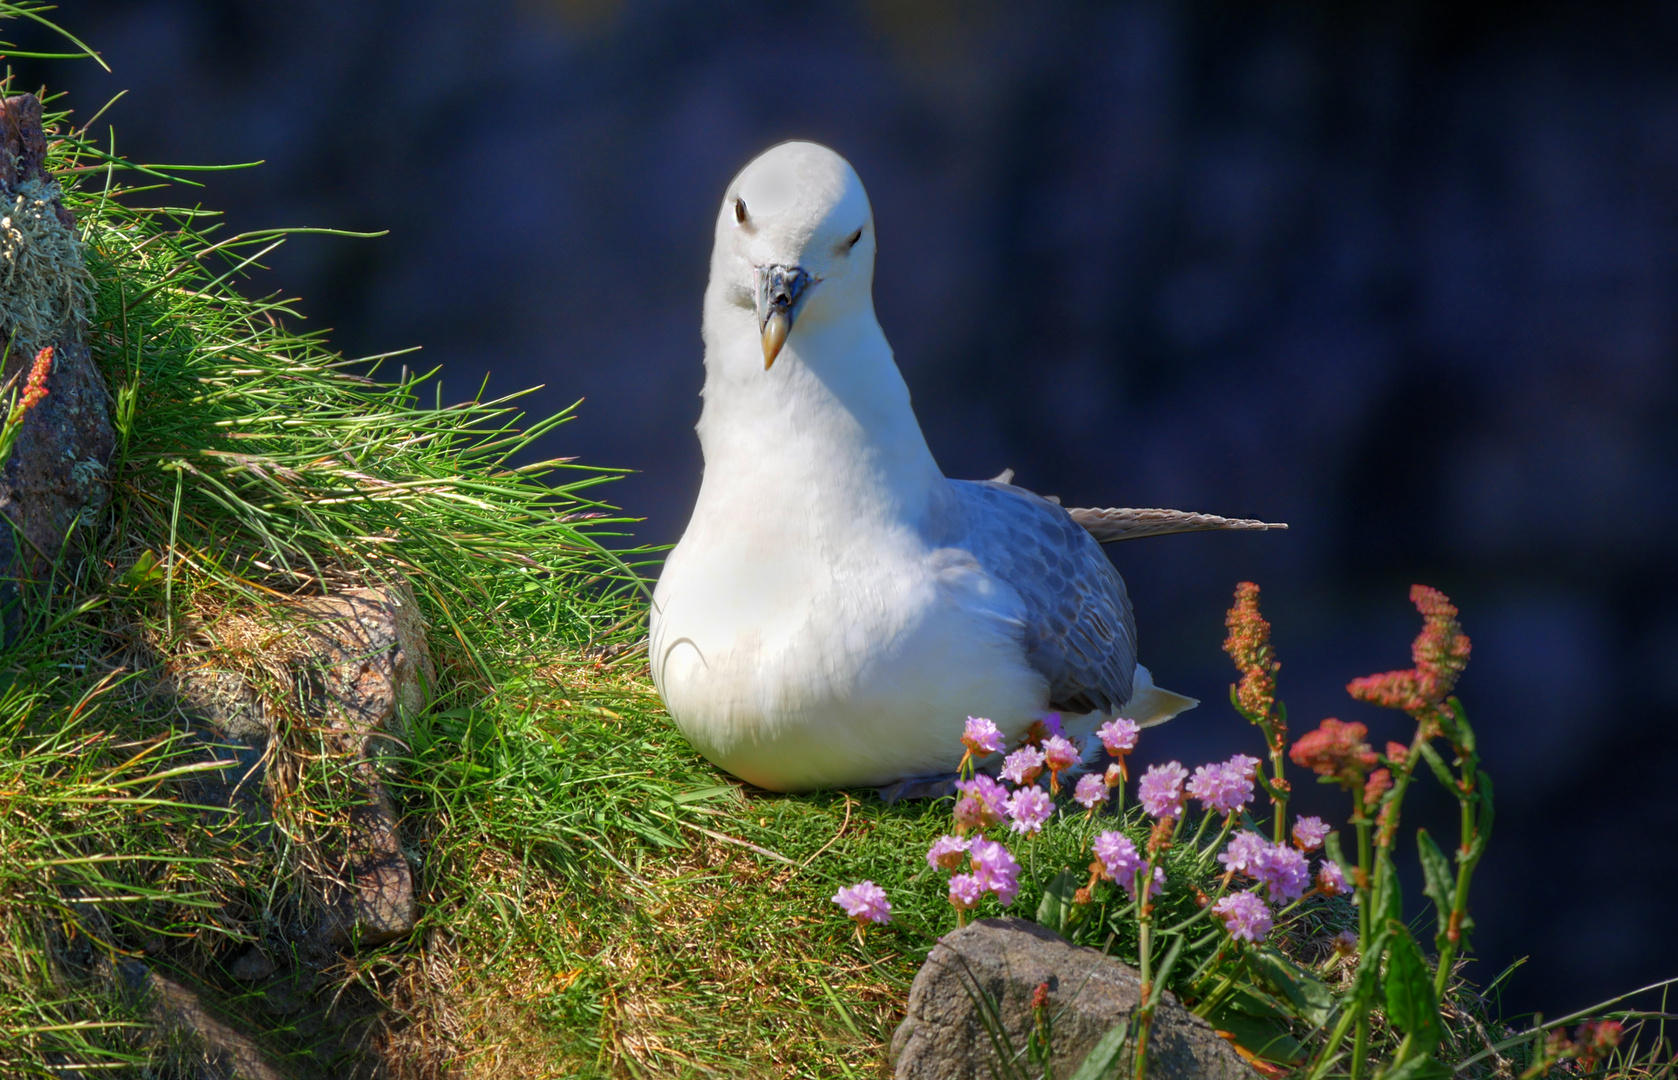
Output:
x,y
369,647
225,1051
354,662
55,480
1005,961
252,965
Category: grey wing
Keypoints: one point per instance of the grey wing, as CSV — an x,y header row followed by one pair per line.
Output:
x,y
1080,633
1114,523
1126,523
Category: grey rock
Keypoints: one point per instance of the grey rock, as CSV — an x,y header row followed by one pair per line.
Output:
x,y
223,1052
1005,960
252,965
54,484
355,662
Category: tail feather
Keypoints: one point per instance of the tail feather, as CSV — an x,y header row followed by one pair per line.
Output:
x,y
1150,704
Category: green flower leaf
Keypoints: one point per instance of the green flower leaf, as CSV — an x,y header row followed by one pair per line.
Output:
x,y
1419,1068
1411,1005
1439,883
1310,998
1268,1039
1105,1057
1389,899
1441,771
1483,823
1055,909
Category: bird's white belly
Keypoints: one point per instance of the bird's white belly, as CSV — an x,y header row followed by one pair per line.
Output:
x,y
795,672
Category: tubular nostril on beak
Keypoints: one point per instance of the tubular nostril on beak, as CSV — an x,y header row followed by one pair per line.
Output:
x,y
779,289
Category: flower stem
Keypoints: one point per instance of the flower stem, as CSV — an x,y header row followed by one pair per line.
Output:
x,y
1200,833
1279,784
1360,1008
1468,857
1145,1007
1207,855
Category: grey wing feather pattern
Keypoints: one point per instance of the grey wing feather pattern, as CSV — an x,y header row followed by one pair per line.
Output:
x,y
1129,523
1080,633
1125,523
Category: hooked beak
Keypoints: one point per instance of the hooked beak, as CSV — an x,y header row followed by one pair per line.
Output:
x,y
780,289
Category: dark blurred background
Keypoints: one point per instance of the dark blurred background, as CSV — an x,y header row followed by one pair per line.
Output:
x,y
1400,274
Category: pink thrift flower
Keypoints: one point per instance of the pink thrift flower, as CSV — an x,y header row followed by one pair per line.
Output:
x,y
1243,850
965,892
1309,833
1090,792
1023,765
1244,915
1247,766
983,803
1330,880
1222,788
1119,736
981,736
1118,857
864,902
1114,776
1283,870
1059,754
1030,807
996,870
1161,789
946,852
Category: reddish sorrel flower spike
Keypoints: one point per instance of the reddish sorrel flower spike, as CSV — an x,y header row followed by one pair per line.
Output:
x,y
1248,644
1380,782
34,387
1440,653
1597,1039
1336,750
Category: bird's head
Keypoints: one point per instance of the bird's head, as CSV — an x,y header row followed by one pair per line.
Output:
x,y
795,242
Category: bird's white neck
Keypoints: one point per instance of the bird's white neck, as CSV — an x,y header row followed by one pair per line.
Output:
x,y
826,434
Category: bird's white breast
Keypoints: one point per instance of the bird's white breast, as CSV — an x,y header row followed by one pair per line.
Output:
x,y
808,631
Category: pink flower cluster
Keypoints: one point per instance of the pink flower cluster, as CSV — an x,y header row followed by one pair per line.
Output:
x,y
1309,833
1119,861
865,902
990,869
1331,881
1282,870
946,852
1161,789
981,736
1029,808
1091,791
1118,736
1059,754
1225,787
983,803
1245,916
1023,766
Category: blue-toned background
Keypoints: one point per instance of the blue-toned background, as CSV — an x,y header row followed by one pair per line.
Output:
x,y
1404,275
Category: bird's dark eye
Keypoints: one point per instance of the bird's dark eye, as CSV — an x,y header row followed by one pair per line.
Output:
x,y
851,243
740,214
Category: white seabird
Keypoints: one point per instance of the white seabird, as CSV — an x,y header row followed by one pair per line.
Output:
x,y
837,607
